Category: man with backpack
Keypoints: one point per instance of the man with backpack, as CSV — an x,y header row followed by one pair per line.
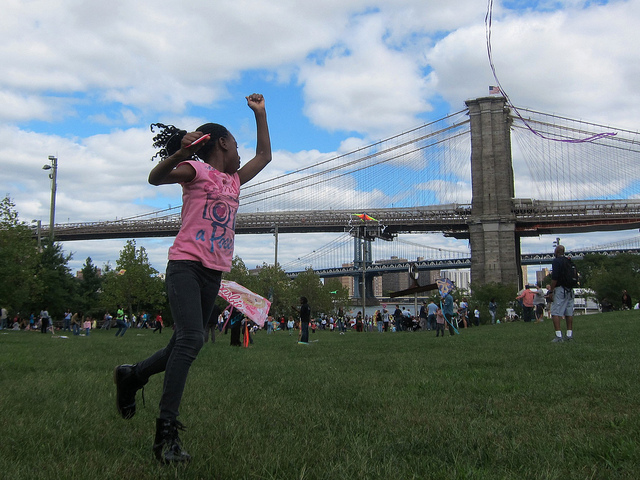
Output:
x,y
563,280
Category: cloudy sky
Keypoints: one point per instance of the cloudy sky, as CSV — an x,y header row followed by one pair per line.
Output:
x,y
82,80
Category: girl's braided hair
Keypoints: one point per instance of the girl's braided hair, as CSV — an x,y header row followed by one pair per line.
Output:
x,y
169,139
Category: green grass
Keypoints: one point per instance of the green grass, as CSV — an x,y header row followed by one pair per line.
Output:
x,y
496,402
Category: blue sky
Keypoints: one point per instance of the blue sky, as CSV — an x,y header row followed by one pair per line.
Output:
x,y
83,81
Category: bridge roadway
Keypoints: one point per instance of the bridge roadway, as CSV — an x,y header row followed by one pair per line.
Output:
x,y
533,217
451,264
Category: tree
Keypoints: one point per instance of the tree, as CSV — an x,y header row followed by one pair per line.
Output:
x,y
239,273
339,294
274,285
504,296
308,284
608,276
19,259
57,284
89,288
134,283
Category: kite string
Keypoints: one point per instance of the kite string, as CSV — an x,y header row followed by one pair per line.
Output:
x,y
488,21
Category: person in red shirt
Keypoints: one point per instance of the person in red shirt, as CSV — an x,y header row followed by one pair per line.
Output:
x,y
159,324
527,297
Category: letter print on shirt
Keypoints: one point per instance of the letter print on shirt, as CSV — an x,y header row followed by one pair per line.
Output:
x,y
220,209
222,218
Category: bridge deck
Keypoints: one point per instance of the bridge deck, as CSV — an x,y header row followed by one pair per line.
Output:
x,y
532,217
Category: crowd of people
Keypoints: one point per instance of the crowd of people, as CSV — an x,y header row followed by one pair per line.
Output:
x,y
401,319
78,323
535,302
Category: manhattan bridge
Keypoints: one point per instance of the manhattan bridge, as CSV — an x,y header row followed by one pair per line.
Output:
x,y
458,176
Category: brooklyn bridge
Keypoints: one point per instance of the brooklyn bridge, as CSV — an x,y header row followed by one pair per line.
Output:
x,y
457,175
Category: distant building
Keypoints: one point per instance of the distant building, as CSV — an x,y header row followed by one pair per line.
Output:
x,y
254,271
429,277
377,286
390,282
80,276
347,282
461,278
541,275
393,281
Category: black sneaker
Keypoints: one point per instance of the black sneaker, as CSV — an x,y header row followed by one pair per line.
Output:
x,y
167,446
127,384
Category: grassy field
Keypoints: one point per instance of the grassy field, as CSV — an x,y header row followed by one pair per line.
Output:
x,y
496,402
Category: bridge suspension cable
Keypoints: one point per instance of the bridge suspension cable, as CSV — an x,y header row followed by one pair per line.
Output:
x,y
633,242
340,251
606,168
424,166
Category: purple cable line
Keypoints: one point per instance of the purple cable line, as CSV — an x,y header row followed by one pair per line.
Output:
x,y
488,22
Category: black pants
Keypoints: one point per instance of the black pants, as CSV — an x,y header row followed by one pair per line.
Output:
x,y
305,332
449,322
235,334
192,289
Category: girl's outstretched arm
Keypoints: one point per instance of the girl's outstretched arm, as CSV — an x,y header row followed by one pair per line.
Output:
x,y
263,146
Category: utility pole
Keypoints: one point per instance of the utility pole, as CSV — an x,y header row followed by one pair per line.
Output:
x,y
364,276
53,176
275,234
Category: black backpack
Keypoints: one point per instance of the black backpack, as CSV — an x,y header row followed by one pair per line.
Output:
x,y
569,277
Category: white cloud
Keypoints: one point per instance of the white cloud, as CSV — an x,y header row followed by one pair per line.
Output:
x,y
18,107
364,84
575,62
99,178
157,54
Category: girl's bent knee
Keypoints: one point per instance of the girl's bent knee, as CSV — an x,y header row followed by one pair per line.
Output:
x,y
192,340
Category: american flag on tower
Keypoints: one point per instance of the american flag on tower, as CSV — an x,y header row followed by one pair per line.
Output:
x,y
494,90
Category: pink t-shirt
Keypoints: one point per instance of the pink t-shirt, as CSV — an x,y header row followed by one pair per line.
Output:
x,y
209,206
527,297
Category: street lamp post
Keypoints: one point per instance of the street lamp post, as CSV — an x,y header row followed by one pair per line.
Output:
x,y
275,234
364,275
53,176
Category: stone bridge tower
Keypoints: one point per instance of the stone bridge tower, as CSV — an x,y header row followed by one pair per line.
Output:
x,y
495,246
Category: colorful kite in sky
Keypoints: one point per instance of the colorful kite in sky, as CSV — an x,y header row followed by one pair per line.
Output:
x,y
364,217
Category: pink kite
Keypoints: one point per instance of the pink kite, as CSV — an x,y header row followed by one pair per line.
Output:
x,y
251,304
